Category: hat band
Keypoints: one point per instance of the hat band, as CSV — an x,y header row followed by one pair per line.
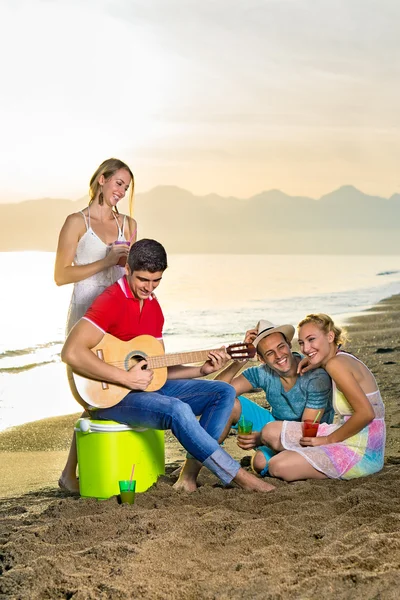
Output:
x,y
264,330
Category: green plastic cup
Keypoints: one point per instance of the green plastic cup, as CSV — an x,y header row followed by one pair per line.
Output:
x,y
127,491
245,427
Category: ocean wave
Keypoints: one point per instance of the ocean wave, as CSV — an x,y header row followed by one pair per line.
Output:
x,y
30,350
14,370
387,273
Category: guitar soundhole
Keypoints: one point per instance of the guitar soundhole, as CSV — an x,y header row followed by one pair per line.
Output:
x,y
133,358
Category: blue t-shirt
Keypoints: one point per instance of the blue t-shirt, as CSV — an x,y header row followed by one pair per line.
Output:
x,y
311,390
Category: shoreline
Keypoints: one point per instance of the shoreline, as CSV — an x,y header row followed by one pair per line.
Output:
x,y
371,279
307,540
374,337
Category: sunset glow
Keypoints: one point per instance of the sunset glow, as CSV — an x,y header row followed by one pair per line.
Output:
x,y
225,97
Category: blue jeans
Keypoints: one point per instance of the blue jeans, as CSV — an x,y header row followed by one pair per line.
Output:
x,y
175,406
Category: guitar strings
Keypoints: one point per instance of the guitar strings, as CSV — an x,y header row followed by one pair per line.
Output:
x,y
153,360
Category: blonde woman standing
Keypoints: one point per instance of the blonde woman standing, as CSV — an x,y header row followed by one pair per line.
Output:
x,y
92,248
87,252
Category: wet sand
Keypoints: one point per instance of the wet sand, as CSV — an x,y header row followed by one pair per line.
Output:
x,y
312,539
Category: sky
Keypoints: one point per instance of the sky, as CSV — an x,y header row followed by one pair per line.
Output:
x,y
220,96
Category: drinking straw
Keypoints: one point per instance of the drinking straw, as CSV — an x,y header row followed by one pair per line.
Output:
x,y
242,420
131,238
130,481
317,417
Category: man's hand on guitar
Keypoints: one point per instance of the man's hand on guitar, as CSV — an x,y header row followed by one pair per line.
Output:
x,y
217,359
139,378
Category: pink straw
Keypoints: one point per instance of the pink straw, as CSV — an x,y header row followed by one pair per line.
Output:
x,y
131,238
130,481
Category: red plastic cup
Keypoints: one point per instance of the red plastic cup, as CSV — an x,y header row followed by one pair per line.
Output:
x,y
122,260
310,429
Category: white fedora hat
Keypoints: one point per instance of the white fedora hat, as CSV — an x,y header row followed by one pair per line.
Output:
x,y
266,328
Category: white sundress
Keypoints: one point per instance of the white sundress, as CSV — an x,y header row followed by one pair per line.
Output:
x,y
90,249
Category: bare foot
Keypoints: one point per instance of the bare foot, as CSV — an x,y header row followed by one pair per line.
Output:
x,y
69,484
176,472
188,476
247,481
186,485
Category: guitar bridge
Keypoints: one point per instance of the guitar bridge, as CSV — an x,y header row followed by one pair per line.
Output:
x,y
100,355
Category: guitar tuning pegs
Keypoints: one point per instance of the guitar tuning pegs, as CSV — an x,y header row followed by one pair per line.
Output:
x,y
251,350
241,351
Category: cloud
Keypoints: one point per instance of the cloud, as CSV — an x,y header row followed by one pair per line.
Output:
x,y
277,81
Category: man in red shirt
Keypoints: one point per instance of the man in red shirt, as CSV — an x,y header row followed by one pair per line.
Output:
x,y
128,309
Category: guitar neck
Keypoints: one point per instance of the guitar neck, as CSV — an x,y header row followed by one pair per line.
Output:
x,y
179,358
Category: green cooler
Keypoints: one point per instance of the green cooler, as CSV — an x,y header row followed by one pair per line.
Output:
x,y
106,452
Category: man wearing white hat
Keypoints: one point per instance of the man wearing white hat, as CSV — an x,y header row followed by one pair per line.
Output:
x,y
291,398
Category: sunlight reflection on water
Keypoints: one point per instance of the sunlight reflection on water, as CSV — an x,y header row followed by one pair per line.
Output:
x,y
207,300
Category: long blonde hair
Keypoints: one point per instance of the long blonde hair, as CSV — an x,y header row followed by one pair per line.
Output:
x,y
108,168
325,323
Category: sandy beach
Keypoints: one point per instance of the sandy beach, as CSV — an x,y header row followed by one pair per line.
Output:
x,y
307,540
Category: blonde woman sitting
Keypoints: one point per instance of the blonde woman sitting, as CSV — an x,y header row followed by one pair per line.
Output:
x,y
353,446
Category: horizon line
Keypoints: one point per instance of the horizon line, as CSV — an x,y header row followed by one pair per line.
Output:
x,y
265,191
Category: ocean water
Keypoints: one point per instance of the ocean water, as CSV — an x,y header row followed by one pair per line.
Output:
x,y
208,300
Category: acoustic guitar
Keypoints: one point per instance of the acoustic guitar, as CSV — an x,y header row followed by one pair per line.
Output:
x,y
125,355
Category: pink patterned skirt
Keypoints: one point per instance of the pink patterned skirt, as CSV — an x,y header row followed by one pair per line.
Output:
x,y
358,456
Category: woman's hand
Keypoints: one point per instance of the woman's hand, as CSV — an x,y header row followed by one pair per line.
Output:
x,y
216,360
321,440
249,441
117,251
304,366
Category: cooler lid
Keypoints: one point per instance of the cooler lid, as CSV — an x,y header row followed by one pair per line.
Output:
x,y
89,425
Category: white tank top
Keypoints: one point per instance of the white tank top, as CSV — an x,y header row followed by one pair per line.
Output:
x,y
91,248
342,407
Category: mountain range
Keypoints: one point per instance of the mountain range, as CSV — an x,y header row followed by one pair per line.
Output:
x,y
345,221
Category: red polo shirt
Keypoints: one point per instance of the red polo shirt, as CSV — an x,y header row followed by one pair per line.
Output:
x,y
117,311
